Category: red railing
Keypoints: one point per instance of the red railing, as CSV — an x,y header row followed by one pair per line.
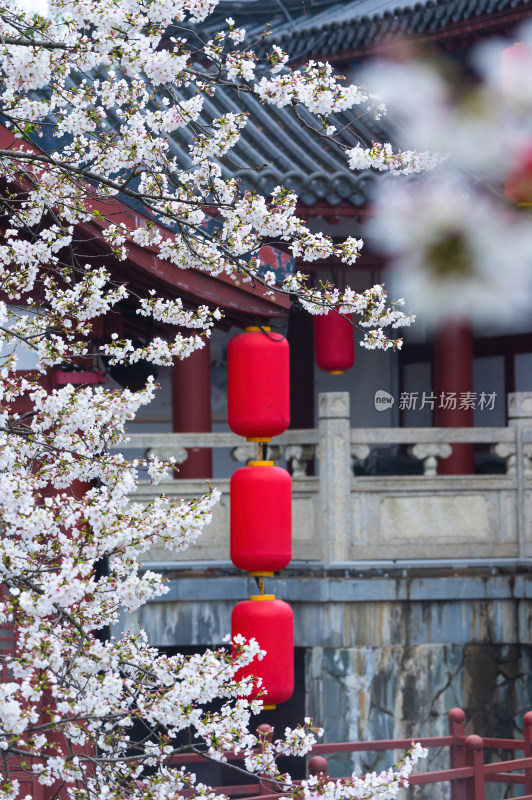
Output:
x,y
468,770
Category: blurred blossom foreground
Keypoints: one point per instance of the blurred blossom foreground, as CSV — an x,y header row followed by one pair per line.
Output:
x,y
459,247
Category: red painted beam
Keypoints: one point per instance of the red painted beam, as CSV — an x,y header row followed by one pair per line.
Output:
x,y
241,298
238,297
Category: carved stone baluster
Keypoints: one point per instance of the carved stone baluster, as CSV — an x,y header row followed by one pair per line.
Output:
x,y
527,453
429,454
244,452
507,450
298,455
274,452
359,452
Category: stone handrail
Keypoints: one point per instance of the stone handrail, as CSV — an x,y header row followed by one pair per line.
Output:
x,y
302,445
431,435
341,518
303,436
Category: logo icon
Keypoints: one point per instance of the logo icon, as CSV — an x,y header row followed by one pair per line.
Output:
x,y
383,400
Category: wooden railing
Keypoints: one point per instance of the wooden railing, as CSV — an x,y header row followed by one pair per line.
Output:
x,y
468,773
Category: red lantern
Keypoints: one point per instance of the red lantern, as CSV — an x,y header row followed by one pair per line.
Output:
x,y
271,623
78,377
334,342
516,66
258,393
261,518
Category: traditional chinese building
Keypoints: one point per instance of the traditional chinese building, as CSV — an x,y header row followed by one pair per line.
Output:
x,y
410,588
457,378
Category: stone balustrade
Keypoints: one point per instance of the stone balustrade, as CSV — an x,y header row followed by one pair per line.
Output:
x,y
341,517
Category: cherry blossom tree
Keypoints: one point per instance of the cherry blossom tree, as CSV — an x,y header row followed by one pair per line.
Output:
x,y
90,93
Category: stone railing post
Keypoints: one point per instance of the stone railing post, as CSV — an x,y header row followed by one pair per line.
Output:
x,y
520,418
334,455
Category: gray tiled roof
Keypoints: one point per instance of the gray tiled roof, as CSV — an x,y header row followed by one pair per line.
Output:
x,y
258,13
305,28
275,149
309,28
361,23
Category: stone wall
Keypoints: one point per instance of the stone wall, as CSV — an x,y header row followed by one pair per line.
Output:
x,y
387,655
348,608
366,693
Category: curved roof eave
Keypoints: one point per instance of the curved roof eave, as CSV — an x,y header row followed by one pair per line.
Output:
x,y
360,25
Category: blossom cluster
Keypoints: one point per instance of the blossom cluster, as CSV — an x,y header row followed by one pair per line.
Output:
x,y
384,785
381,157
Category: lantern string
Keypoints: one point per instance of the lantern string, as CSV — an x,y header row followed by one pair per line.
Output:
x,y
260,583
275,335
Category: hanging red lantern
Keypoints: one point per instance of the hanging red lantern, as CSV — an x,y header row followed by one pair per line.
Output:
x,y
515,71
334,342
261,518
78,377
258,384
271,623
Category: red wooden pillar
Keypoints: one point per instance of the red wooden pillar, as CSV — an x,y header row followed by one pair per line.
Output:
x,y
527,735
319,767
454,390
457,752
191,409
476,787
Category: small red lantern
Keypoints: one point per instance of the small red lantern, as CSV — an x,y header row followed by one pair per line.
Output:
x,y
271,623
515,72
334,342
258,384
261,518
78,377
